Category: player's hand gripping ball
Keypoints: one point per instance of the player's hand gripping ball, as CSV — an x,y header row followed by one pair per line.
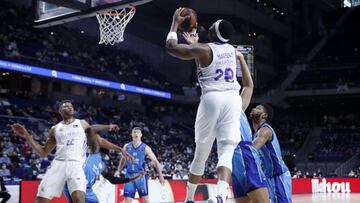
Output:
x,y
190,21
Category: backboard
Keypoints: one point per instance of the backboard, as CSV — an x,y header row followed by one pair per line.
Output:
x,y
54,12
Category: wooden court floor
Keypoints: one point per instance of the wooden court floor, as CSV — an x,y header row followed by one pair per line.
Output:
x,y
327,198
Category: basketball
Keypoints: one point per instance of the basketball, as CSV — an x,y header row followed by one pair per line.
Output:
x,y
189,24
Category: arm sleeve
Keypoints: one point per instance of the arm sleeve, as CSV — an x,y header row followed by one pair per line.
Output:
x,y
115,180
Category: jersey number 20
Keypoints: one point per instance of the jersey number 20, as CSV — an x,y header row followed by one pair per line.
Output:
x,y
228,74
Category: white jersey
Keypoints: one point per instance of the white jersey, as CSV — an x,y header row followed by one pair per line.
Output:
x,y
71,142
220,75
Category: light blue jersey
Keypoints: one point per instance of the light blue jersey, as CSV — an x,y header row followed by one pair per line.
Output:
x,y
94,166
140,185
270,155
277,173
247,174
140,159
245,128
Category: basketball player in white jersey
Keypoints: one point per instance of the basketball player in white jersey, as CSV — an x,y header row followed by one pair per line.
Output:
x,y
218,114
67,167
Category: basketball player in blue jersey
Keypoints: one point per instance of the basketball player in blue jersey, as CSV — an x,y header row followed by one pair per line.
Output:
x,y
265,140
95,166
248,179
218,115
139,151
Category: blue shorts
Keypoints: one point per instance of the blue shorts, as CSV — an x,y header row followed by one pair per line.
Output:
x,y
90,196
141,185
247,174
280,188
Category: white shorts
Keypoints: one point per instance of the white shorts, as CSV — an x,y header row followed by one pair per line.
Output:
x,y
59,173
218,116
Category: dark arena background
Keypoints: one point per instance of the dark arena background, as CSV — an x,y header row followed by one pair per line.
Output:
x,y
303,55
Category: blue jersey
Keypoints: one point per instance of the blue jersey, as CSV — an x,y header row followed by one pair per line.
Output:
x,y
94,166
140,160
246,168
270,155
245,129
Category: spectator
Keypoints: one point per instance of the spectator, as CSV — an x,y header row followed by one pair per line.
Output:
x,y
5,159
4,171
14,157
4,194
37,47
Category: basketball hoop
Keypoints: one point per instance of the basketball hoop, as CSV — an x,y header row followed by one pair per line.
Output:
x,y
113,24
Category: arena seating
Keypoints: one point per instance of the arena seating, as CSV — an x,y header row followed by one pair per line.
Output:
x,y
75,53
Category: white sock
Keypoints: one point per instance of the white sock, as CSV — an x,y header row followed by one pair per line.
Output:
x,y
223,187
190,191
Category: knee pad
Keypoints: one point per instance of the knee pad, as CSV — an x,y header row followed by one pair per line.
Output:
x,y
225,154
201,155
197,166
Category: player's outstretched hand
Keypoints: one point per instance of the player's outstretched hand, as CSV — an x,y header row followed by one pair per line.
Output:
x,y
117,173
140,175
191,38
127,155
238,53
114,128
137,176
20,130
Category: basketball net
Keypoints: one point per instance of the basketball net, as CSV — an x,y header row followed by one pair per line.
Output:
x,y
113,24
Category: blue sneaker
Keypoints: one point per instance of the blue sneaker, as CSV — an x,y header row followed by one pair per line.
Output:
x,y
217,199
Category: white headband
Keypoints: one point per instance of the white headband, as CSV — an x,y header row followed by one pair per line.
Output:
x,y
217,23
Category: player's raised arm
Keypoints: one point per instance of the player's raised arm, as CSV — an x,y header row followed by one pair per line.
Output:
x,y
40,150
263,136
99,127
158,166
117,180
110,146
92,140
248,84
121,164
110,127
183,51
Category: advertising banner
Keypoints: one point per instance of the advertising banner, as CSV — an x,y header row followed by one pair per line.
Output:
x,y
175,190
325,185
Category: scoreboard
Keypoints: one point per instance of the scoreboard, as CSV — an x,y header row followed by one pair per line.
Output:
x,y
248,52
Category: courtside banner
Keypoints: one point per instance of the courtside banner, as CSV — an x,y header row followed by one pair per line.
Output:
x,y
104,190
325,185
175,190
28,191
171,191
